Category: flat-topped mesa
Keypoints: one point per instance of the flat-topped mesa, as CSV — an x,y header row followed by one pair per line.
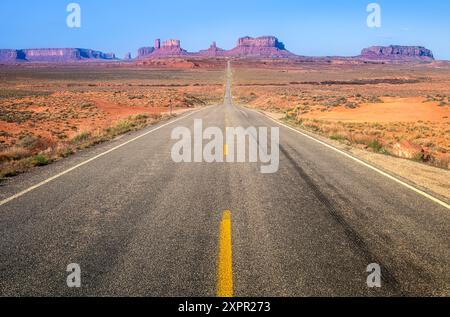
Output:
x,y
265,46
7,55
171,44
169,48
60,55
397,53
263,41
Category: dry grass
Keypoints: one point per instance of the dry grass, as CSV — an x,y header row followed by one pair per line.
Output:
x,y
48,113
401,110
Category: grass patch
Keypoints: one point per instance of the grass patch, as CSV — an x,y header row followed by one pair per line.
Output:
x,y
338,137
80,138
40,160
377,147
121,127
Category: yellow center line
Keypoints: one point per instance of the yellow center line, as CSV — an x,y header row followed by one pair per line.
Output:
x,y
225,147
225,265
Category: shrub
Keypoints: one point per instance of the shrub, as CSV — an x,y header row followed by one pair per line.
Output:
x,y
140,117
87,105
40,160
377,147
14,154
30,142
65,152
122,126
338,137
80,138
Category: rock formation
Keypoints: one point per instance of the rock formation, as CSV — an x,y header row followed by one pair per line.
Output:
x,y
396,52
212,51
53,55
266,46
261,47
169,48
264,41
145,51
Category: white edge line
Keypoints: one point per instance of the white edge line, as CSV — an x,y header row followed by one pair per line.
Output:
x,y
418,191
26,191
244,113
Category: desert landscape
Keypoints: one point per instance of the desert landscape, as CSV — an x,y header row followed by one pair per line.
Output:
x,y
48,112
392,100
239,156
396,109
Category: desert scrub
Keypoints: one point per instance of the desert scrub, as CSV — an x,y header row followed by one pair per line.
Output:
x,y
351,105
40,160
121,127
87,105
18,159
338,137
14,153
80,138
377,147
34,143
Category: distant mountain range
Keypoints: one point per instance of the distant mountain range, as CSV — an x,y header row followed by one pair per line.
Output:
x,y
56,55
247,47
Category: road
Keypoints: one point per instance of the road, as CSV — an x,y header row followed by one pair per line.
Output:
x,y
139,224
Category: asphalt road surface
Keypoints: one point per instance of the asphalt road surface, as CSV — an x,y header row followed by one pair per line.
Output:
x,y
139,224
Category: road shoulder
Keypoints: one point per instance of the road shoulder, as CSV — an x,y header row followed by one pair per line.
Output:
x,y
424,177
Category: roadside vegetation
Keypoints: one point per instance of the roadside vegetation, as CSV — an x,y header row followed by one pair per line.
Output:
x,y
385,109
50,113
389,139
33,151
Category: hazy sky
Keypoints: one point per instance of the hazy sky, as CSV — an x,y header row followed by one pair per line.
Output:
x,y
313,27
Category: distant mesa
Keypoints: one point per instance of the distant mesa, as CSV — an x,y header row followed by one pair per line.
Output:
x,y
265,46
397,52
246,47
61,55
169,48
10,55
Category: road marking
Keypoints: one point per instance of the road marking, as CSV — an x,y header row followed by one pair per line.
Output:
x,y
26,191
244,113
225,265
416,190
225,150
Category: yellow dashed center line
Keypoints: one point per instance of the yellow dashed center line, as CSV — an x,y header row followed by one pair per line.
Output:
x,y
225,147
225,265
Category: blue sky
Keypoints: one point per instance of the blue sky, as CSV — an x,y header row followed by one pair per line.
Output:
x,y
313,27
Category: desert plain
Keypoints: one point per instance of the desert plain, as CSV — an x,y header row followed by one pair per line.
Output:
x,y
401,110
50,111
